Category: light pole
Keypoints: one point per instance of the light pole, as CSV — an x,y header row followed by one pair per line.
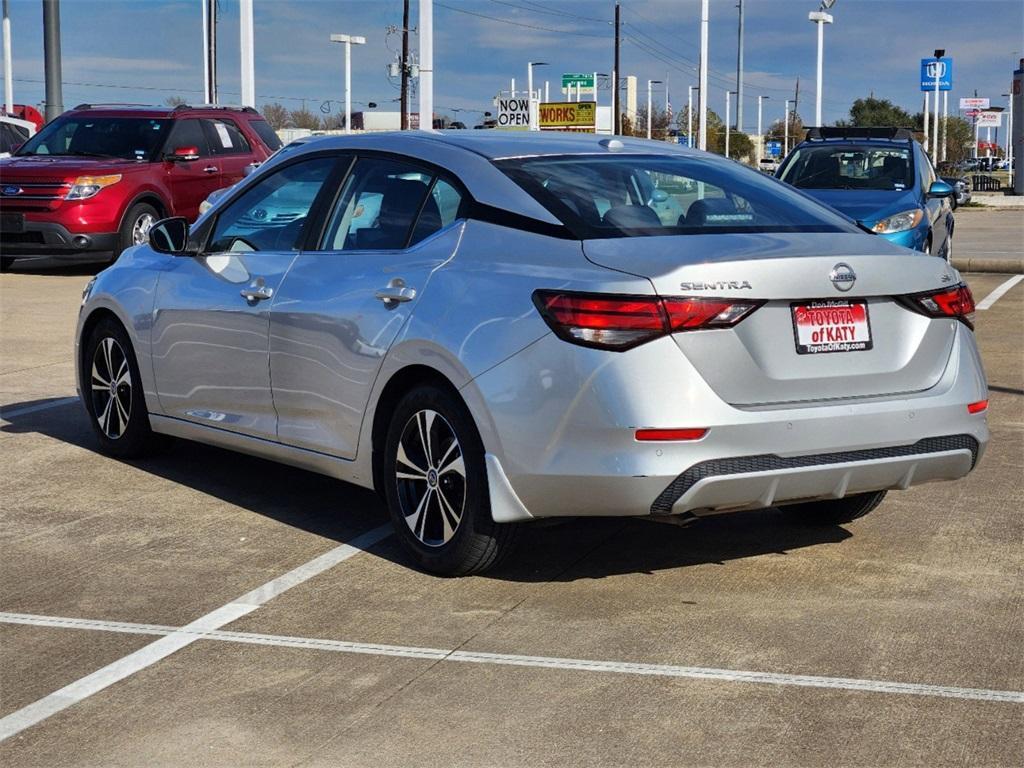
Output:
x,y
426,34
8,74
939,53
760,134
821,19
349,41
689,114
1009,131
246,48
703,126
728,129
785,131
534,126
649,90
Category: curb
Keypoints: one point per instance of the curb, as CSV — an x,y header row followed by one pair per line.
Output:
x,y
1002,266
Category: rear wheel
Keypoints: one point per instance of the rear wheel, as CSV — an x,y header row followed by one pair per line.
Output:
x,y
136,225
835,511
112,392
436,486
6,262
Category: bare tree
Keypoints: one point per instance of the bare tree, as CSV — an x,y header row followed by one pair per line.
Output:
x,y
303,118
175,101
276,115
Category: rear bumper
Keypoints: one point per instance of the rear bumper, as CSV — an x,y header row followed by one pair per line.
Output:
x,y
559,422
49,238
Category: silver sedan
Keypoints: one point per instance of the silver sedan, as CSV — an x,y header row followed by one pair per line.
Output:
x,y
492,328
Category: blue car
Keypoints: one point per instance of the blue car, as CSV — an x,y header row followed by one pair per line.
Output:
x,y
881,178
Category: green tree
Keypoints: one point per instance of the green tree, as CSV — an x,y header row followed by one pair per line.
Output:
x,y
715,133
659,123
959,138
777,131
878,112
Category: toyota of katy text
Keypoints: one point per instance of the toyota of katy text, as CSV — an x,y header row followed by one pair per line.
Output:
x,y
93,181
492,329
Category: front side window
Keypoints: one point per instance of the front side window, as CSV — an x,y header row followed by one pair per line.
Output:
x,y
128,138
640,195
850,167
380,202
188,134
271,215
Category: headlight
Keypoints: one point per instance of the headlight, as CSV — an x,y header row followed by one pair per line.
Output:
x,y
88,186
899,222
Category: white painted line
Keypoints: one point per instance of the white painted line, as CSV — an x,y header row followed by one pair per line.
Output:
x,y
177,638
999,292
8,415
544,662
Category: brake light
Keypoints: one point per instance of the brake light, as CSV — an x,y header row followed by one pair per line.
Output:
x,y
949,302
608,321
977,407
664,435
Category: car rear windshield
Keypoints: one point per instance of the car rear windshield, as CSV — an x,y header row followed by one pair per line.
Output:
x,y
128,138
850,167
267,134
644,195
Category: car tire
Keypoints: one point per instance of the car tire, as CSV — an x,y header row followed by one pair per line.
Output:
x,y
6,262
834,511
436,486
117,413
135,226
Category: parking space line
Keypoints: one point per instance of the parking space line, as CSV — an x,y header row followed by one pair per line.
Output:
x,y
8,415
178,638
544,662
999,292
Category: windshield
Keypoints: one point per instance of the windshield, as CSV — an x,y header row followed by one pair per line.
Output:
x,y
846,167
128,138
639,195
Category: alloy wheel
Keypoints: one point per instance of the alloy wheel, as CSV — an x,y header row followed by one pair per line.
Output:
x,y
430,473
111,383
141,227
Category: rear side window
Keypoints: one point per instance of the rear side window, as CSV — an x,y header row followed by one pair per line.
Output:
x,y
440,209
225,138
640,195
380,202
187,133
267,134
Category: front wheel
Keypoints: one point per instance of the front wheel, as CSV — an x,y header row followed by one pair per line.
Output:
x,y
436,486
136,225
835,511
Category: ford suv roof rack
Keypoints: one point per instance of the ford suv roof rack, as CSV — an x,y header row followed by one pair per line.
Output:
x,y
849,132
113,104
230,107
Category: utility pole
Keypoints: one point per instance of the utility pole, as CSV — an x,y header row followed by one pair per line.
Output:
x,y
703,126
246,47
8,74
739,72
51,59
426,28
405,66
616,116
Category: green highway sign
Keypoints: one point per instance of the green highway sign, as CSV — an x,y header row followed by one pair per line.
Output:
x,y
571,80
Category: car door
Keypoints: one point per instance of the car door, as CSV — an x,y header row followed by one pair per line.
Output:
x,y
189,180
210,334
344,303
230,148
937,209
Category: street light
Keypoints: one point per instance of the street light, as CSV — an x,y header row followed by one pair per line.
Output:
x,y
785,131
649,84
728,100
529,87
939,53
1009,132
821,19
349,41
760,135
689,113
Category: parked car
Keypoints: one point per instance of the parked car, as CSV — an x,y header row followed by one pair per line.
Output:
x,y
13,133
880,177
962,188
517,335
93,181
768,165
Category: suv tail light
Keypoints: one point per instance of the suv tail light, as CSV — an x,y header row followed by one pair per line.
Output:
x,y
949,302
608,321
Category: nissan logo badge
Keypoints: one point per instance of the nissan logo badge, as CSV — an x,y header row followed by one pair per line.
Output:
x,y
842,276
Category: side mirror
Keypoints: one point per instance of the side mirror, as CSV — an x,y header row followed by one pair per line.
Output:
x,y
940,189
183,153
169,236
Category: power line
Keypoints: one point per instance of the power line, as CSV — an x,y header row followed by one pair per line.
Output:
x,y
536,8
517,23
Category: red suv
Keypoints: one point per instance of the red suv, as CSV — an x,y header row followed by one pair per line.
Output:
x,y
93,181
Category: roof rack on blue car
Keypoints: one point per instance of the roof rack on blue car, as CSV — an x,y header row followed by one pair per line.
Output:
x,y
849,132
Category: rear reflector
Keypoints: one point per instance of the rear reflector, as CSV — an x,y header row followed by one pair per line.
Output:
x,y
949,302
977,407
609,321
645,435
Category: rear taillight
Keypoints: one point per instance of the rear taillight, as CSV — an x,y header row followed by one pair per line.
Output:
x,y
608,321
949,302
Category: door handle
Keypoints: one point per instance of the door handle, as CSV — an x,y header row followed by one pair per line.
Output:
x,y
256,292
211,169
396,292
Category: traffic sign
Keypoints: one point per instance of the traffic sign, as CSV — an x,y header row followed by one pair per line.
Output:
x,y
513,113
943,68
773,148
974,103
572,79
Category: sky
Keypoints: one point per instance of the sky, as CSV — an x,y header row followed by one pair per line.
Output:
x,y
144,51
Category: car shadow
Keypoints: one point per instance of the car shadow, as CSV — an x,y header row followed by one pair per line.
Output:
x,y
59,267
556,550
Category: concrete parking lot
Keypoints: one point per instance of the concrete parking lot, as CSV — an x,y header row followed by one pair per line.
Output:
x,y
204,608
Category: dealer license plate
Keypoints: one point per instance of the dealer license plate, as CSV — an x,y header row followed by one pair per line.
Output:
x,y
831,325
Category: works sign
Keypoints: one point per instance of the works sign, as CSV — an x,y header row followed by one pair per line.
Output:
x,y
568,116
